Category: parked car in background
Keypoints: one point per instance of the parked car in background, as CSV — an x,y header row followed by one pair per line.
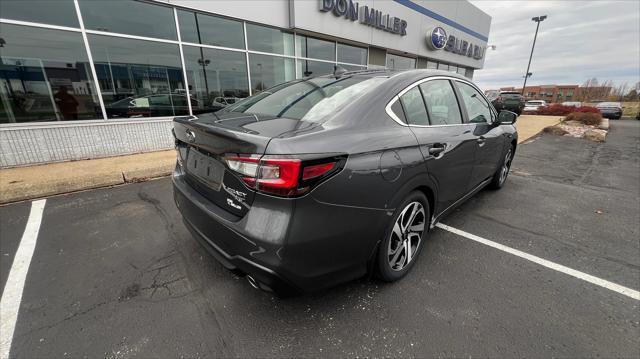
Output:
x,y
162,104
533,105
572,103
509,100
320,180
611,110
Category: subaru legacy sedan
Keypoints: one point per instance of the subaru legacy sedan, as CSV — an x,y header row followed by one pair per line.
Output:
x,y
322,180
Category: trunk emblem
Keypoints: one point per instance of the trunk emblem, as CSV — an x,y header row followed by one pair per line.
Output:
x,y
191,136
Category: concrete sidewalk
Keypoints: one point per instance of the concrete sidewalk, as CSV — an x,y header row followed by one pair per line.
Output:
x,y
18,184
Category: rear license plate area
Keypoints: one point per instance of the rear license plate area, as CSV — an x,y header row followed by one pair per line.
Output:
x,y
206,169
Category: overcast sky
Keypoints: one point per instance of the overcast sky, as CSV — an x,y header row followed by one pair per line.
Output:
x,y
578,40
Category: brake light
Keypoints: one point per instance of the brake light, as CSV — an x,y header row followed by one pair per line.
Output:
x,y
280,176
310,172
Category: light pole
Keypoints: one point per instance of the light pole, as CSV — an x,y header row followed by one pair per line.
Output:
x,y
537,19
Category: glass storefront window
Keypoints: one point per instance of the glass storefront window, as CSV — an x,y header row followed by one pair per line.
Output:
x,y
54,12
268,71
129,17
308,68
352,54
396,62
461,70
453,68
139,78
315,48
266,39
45,76
216,78
442,66
432,65
210,30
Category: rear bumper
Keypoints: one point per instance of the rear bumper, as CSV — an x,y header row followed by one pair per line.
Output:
x,y
285,256
611,114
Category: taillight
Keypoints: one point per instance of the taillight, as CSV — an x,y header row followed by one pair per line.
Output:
x,y
281,176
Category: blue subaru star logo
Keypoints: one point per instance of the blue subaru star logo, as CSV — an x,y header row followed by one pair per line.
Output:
x,y
438,38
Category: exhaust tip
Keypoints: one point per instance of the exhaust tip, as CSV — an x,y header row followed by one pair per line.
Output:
x,y
253,282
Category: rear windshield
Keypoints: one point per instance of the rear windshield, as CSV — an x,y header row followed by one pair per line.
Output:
x,y
309,99
510,95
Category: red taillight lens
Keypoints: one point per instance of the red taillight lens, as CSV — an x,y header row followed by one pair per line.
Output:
x,y
280,176
314,171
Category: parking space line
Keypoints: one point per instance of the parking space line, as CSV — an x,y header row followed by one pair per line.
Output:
x,y
12,293
543,262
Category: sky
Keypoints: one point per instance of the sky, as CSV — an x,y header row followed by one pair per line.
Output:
x,y
578,40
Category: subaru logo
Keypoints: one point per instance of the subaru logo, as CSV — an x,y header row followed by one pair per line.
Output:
x,y
191,137
437,38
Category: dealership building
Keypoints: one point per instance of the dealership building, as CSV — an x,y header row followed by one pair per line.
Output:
x,y
94,78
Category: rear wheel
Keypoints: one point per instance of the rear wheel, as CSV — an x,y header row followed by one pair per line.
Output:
x,y
403,239
500,177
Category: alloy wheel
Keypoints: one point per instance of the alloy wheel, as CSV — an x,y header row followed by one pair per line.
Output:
x,y
506,165
406,236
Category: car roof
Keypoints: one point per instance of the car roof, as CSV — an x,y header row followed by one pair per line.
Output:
x,y
385,72
608,104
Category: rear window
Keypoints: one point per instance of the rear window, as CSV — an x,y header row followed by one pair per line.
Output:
x,y
511,95
309,99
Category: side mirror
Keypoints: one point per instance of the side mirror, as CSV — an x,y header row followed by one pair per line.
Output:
x,y
507,117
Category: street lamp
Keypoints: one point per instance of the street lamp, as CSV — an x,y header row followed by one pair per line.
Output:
x,y
538,20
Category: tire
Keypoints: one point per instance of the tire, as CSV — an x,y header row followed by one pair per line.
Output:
x,y
500,177
405,233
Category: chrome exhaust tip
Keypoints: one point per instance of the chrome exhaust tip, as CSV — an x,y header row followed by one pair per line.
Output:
x,y
253,282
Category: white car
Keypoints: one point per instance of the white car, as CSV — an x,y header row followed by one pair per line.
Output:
x,y
533,105
572,103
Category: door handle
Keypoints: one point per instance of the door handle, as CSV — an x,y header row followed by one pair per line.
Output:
x,y
436,149
481,140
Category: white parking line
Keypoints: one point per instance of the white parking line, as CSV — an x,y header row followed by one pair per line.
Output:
x,y
543,262
12,294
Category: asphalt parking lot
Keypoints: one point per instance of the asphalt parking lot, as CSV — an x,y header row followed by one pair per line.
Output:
x,y
115,274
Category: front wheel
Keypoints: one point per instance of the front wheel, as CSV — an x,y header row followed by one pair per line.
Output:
x,y
403,239
500,177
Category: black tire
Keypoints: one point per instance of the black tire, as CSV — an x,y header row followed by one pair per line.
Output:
x,y
384,269
499,178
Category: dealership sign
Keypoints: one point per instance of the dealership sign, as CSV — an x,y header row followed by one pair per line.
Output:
x,y
365,15
437,40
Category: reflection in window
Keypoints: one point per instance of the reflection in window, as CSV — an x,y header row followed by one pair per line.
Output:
x,y
216,78
461,70
54,12
129,17
396,62
45,76
268,71
352,67
414,110
308,68
432,65
352,54
441,102
315,48
210,30
442,66
266,39
138,78
478,109
453,68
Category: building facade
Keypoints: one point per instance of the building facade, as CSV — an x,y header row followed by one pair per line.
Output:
x,y
94,78
562,93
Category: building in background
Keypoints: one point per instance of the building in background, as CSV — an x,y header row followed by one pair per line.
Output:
x,y
93,78
562,93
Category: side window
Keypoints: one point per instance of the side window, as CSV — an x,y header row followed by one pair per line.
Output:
x,y
441,102
414,109
478,109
